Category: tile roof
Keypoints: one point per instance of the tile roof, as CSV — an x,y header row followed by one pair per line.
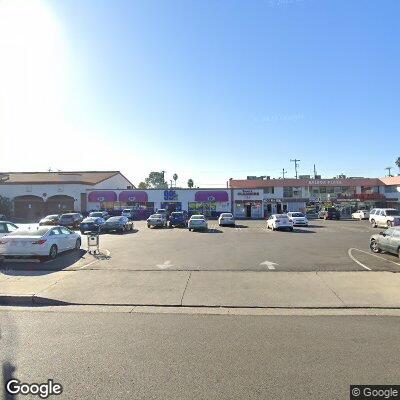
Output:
x,y
60,177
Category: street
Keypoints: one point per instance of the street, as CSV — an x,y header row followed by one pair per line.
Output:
x,y
110,355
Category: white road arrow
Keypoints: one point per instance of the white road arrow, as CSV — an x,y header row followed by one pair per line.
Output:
x,y
269,264
167,264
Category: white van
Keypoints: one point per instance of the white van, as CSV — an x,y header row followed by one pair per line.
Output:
x,y
384,217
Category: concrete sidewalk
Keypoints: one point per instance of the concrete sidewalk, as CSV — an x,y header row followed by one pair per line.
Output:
x,y
203,289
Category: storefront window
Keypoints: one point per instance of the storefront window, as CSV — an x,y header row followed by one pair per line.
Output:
x,y
288,191
297,192
269,190
205,208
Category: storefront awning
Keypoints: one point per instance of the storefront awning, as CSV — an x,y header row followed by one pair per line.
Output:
x,y
102,195
211,196
138,196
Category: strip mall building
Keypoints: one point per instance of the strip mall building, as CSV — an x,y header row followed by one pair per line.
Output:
x,y
36,194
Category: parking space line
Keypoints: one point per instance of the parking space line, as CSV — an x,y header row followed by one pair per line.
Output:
x,y
375,255
355,260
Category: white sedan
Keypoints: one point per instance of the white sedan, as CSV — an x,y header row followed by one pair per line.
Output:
x,y
42,241
297,218
226,219
197,222
360,214
279,221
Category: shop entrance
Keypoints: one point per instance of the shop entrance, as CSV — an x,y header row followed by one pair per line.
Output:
x,y
248,210
279,208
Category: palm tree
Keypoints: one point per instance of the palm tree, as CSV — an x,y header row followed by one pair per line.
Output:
x,y
190,183
398,163
175,178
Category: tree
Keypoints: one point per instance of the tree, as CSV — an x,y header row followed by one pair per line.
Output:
x,y
190,183
398,163
156,180
5,205
143,185
175,178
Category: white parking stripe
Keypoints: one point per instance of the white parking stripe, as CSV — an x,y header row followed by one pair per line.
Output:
x,y
355,260
375,255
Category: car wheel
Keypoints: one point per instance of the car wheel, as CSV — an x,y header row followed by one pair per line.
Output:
x,y
53,252
148,225
78,244
373,223
398,252
291,229
389,224
272,227
374,246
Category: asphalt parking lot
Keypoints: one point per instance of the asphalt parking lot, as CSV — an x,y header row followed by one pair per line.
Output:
x,y
250,246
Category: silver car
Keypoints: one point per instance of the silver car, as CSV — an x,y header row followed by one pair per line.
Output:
x,y
197,222
226,219
157,220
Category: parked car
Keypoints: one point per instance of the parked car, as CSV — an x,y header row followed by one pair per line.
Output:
x,y
177,218
119,224
44,241
50,220
159,220
384,217
297,218
329,213
99,214
6,228
388,240
71,220
92,224
197,222
279,221
226,219
163,211
360,214
128,213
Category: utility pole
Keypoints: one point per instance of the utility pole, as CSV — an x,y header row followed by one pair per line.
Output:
x,y
295,161
389,169
315,172
283,173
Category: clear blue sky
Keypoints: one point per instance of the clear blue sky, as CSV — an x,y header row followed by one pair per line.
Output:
x,y
218,89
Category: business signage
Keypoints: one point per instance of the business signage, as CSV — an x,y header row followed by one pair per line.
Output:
x,y
170,195
248,192
317,182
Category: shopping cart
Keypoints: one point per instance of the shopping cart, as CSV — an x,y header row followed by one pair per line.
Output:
x,y
93,242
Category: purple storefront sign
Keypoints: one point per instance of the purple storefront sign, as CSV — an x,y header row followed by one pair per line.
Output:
x,y
219,196
101,196
137,196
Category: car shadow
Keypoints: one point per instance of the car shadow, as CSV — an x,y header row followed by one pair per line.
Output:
x,y
300,230
36,267
239,226
210,230
316,226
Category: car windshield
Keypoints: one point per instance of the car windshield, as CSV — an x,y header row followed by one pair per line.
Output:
x,y
297,214
177,214
114,219
197,217
52,217
226,215
90,219
128,210
156,216
96,214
